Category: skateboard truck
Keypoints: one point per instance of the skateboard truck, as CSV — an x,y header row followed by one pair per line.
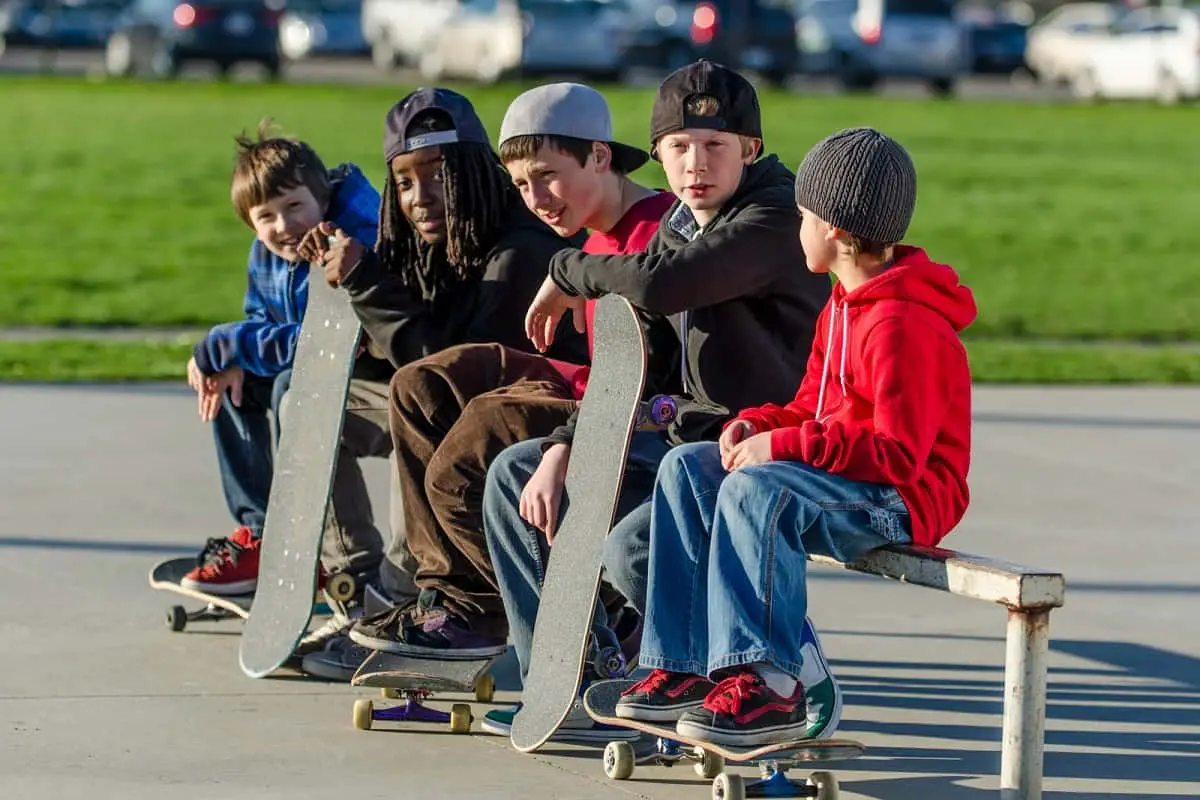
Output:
x,y
413,710
820,785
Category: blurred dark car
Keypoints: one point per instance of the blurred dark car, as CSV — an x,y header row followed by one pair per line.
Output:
x,y
756,36
63,25
157,37
995,40
322,27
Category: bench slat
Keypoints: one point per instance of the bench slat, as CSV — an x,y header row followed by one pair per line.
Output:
x,y
967,575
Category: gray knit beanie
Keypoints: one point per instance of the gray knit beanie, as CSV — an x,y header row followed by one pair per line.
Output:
x,y
861,181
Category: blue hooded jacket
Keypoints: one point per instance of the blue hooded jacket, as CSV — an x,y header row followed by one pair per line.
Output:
x,y
264,343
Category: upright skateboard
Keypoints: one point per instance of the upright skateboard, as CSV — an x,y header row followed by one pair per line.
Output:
x,y
300,488
610,412
166,575
600,702
413,680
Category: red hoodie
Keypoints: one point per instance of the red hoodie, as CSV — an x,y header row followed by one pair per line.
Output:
x,y
887,394
631,234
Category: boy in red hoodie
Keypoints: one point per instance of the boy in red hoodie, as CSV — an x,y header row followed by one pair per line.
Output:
x,y
873,450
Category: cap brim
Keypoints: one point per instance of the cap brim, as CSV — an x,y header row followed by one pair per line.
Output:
x,y
627,159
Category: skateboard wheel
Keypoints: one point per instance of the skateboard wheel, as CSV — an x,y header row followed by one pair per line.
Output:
x,y
728,787
609,663
663,410
390,694
708,765
485,688
364,714
341,587
460,718
619,759
826,785
177,618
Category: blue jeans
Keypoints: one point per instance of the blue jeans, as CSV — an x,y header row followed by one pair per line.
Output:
x,y
246,446
728,555
519,551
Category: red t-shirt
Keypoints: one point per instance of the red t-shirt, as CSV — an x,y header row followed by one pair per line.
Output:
x,y
631,234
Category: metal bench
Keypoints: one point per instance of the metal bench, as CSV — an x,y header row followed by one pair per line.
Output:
x,y
1029,594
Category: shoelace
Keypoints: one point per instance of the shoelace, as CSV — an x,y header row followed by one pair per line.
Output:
x,y
220,550
652,682
728,695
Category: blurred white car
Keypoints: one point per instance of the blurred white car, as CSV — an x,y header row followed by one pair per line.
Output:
x,y
486,40
397,30
1150,53
1056,43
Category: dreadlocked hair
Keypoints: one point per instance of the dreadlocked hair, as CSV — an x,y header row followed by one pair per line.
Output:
x,y
478,197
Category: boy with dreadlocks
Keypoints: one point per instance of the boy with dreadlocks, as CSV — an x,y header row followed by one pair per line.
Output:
x,y
240,370
458,261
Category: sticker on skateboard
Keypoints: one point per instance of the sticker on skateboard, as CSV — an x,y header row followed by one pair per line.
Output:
x,y
600,702
166,575
413,680
610,411
300,486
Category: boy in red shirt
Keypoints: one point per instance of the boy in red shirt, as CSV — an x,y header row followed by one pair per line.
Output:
x,y
873,450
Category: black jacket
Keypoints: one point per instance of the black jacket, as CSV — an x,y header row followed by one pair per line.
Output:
x,y
739,296
407,326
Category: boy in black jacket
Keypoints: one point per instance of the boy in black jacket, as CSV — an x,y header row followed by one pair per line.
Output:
x,y
458,260
727,267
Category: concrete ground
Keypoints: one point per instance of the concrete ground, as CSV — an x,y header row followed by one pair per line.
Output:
x,y
98,699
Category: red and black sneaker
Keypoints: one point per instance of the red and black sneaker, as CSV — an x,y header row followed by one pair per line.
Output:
x,y
663,696
742,711
227,566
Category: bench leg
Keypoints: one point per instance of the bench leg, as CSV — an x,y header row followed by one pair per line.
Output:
x,y
1024,704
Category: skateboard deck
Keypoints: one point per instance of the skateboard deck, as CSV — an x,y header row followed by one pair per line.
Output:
x,y
300,487
413,679
610,410
166,575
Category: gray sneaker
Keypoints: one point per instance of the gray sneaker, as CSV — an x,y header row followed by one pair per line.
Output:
x,y
337,661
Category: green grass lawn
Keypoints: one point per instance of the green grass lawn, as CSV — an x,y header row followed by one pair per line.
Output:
x,y
1070,223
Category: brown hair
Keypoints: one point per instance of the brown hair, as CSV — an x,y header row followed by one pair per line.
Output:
x,y
527,146
705,105
866,247
270,165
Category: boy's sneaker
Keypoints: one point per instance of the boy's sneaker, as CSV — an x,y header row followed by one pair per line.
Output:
x,y
337,661
663,696
227,566
742,711
822,693
440,636
629,633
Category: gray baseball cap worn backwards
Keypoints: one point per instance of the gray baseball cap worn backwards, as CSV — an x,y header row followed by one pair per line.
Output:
x,y
861,181
571,110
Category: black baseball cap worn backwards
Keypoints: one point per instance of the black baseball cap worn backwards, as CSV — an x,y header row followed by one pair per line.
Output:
x,y
465,122
738,110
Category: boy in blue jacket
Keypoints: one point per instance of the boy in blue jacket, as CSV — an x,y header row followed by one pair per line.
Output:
x,y
240,370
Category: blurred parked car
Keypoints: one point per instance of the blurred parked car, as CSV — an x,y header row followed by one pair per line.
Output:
x,y
397,30
996,36
322,27
1149,53
750,35
486,40
63,25
156,37
1057,41
862,41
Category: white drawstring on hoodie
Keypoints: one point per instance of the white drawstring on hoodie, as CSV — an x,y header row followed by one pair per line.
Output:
x,y
829,351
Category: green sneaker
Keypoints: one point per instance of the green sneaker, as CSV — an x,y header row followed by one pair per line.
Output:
x,y
821,690
577,727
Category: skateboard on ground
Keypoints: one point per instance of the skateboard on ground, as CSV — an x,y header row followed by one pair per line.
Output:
x,y
610,411
300,487
620,758
413,680
166,575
